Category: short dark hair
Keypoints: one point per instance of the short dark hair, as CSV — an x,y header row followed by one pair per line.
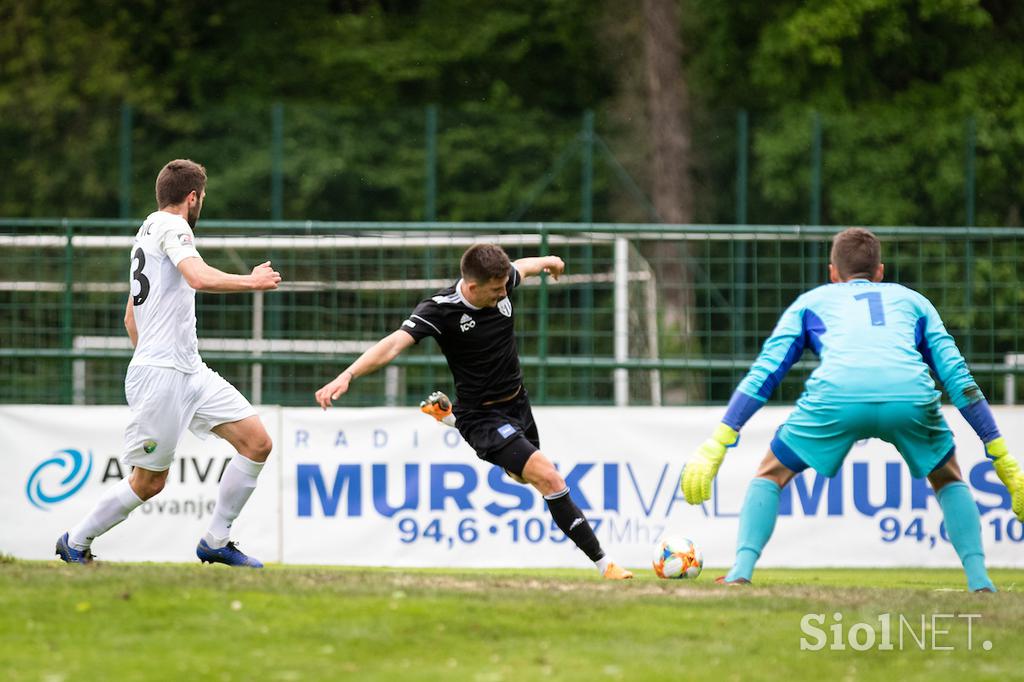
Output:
x,y
484,262
856,252
177,179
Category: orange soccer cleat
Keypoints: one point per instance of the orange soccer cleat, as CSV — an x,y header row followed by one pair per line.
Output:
x,y
438,406
616,572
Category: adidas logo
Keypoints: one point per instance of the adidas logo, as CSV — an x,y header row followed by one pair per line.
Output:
x,y
466,323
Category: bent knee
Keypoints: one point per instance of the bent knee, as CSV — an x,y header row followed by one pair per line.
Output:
x,y
554,483
548,481
146,488
946,474
258,449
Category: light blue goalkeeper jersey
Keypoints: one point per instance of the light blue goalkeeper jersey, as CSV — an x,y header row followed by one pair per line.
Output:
x,y
876,341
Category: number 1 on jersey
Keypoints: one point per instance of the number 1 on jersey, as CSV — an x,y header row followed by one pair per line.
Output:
x,y
140,298
875,308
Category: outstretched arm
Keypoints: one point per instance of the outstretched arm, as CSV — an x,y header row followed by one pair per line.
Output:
x,y
938,349
202,277
529,267
783,348
380,354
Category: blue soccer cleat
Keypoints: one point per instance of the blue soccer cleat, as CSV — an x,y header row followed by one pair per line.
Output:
x,y
722,580
70,555
228,554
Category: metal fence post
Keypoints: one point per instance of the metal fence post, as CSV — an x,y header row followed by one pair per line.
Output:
x,y
814,275
259,306
542,326
969,189
742,151
621,322
969,158
815,216
67,314
127,116
587,217
739,263
277,162
430,188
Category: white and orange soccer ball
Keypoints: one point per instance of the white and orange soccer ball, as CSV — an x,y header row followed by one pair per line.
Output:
x,y
677,558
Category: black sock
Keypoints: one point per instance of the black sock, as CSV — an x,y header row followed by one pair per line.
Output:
x,y
574,524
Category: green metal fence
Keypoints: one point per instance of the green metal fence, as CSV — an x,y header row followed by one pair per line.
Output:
x,y
480,162
645,314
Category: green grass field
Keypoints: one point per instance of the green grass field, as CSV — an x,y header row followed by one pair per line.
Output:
x,y
176,622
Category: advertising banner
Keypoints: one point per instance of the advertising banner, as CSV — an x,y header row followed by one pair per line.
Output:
x,y
388,486
60,460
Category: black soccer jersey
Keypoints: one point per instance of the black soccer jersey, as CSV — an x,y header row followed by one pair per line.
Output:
x,y
479,343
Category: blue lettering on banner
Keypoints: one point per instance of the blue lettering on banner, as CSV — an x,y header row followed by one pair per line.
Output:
x,y
301,438
452,438
677,496
979,476
611,486
500,484
639,494
411,499
380,438
920,491
327,489
309,476
983,478
460,494
573,482
340,440
893,488
810,499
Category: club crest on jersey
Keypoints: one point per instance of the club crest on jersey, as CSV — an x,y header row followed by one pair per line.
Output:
x,y
505,307
466,323
185,239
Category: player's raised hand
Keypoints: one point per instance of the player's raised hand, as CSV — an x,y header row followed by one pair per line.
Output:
x,y
264,277
1009,472
555,267
702,467
334,389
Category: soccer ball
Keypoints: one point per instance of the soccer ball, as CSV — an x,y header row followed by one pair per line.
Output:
x,y
677,558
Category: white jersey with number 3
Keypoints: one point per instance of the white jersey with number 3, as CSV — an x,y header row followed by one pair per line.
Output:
x,y
163,303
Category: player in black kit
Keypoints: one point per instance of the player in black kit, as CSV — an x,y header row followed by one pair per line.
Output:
x,y
472,322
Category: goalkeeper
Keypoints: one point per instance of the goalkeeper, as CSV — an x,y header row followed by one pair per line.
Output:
x,y
876,342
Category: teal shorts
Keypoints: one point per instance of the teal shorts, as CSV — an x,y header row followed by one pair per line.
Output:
x,y
820,434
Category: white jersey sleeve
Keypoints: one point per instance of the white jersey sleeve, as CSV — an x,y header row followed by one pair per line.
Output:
x,y
178,243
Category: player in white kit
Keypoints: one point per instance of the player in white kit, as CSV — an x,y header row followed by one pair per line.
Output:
x,y
168,386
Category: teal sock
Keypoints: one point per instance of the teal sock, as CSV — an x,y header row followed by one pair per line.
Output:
x,y
963,525
757,521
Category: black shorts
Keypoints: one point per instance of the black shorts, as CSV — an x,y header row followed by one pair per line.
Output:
x,y
504,435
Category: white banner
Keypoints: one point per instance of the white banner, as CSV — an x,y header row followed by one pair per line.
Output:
x,y
387,486
60,460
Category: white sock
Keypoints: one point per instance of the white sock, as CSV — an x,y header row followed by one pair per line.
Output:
x,y
602,564
112,509
236,486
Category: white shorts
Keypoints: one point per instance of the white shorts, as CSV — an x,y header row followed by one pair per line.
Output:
x,y
164,402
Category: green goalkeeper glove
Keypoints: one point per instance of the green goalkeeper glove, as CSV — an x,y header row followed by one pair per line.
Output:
x,y
703,465
1009,473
